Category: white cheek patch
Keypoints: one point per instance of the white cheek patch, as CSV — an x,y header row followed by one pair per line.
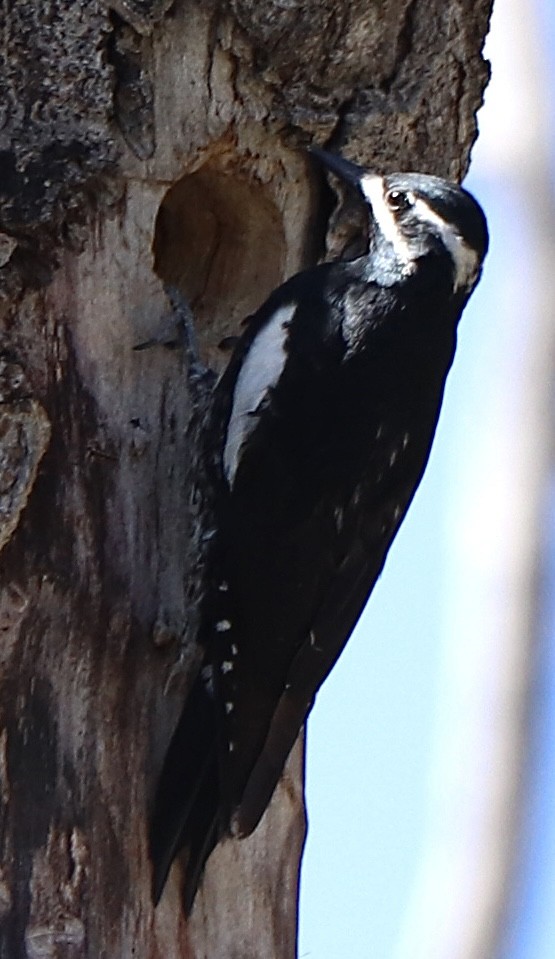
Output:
x,y
261,370
373,188
465,259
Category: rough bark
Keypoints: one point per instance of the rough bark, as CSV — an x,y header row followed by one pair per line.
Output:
x,y
140,142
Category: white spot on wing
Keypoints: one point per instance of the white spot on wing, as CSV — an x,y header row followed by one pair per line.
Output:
x,y
223,626
465,259
314,642
373,188
226,666
261,370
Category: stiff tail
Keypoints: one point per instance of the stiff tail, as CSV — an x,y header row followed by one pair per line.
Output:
x,y
284,728
186,807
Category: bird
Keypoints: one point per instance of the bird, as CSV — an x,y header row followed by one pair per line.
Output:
x,y
319,433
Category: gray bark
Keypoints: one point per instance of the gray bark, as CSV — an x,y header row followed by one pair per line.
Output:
x,y
140,142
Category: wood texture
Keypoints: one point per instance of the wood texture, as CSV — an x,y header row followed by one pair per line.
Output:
x,y
143,142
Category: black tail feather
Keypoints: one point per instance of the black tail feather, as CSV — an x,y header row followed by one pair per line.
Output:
x,y
204,830
186,807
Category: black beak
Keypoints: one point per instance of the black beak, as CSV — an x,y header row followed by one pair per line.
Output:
x,y
344,169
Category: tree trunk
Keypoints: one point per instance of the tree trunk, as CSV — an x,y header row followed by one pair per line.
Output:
x,y
143,142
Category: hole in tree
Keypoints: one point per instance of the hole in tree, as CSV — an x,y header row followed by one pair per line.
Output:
x,y
220,239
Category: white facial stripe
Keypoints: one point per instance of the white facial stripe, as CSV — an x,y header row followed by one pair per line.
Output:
x,y
373,188
464,257
260,371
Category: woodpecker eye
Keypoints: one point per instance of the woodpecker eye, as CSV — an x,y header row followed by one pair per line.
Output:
x,y
398,200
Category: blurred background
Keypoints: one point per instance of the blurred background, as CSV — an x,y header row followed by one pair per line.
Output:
x,y
431,749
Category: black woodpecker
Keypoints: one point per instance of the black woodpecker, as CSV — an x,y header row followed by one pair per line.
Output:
x,y
322,426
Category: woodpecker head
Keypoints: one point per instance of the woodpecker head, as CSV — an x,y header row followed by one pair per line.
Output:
x,y
413,214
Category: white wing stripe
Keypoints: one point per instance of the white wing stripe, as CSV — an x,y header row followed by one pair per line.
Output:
x,y
261,370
